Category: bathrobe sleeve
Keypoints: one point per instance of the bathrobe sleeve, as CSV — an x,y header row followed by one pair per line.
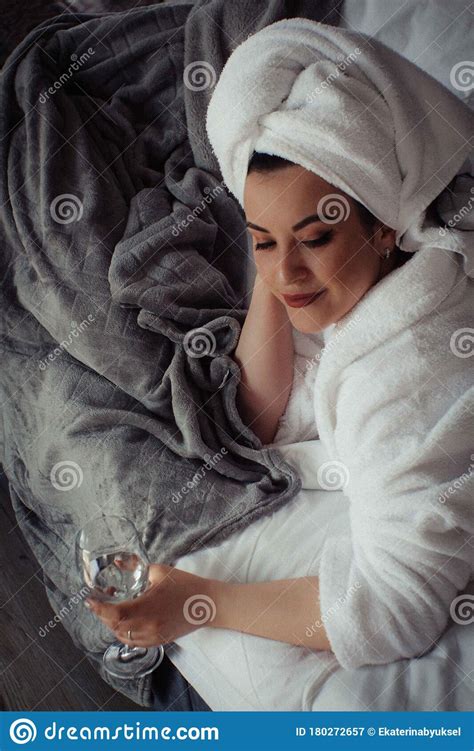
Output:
x,y
386,589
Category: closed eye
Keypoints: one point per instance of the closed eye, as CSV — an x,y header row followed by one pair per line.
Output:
x,y
323,240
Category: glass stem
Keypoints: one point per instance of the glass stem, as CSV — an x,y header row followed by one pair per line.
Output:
x,y
126,650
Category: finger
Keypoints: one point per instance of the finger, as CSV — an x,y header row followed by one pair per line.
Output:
x,y
140,640
108,609
122,635
158,572
140,631
109,613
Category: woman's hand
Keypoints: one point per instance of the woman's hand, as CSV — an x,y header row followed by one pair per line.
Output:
x,y
265,355
262,287
174,604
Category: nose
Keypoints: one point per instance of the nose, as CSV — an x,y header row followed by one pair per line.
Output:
x,y
292,270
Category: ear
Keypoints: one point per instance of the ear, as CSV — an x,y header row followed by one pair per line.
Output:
x,y
388,235
384,237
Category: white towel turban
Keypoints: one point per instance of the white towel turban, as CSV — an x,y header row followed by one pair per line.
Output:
x,y
354,112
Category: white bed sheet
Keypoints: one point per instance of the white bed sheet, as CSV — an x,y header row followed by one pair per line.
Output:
x,y
234,671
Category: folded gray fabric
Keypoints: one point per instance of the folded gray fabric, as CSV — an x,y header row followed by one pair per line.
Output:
x,y
122,294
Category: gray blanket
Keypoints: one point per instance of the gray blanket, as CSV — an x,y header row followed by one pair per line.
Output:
x,y
122,292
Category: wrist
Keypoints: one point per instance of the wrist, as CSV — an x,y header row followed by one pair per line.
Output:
x,y
220,593
264,296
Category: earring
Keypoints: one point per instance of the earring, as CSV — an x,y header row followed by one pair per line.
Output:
x,y
387,252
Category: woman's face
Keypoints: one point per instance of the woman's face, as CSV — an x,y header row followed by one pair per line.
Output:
x,y
334,255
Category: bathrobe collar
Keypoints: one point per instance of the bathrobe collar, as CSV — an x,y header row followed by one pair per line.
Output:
x,y
395,303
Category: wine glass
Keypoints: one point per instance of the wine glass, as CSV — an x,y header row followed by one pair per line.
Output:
x,y
114,565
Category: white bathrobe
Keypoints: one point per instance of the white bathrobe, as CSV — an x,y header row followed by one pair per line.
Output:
x,y
383,408
393,404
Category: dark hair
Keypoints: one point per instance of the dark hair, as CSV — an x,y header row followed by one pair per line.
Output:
x,y
270,163
267,162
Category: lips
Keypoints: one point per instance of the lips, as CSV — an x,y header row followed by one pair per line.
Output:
x,y
300,301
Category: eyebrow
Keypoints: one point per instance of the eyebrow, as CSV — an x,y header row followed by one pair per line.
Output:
x,y
299,225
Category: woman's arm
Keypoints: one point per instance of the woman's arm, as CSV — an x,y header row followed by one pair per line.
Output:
x,y
285,610
177,603
265,356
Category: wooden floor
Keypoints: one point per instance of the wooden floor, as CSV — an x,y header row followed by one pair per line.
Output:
x,y
37,673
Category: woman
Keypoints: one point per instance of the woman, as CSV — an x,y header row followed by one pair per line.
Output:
x,y
365,377
334,262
